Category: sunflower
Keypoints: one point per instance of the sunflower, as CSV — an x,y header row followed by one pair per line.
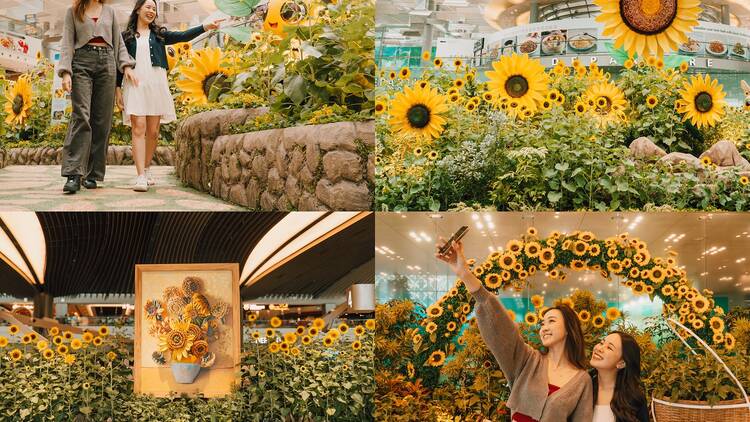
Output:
x,y
580,248
3,342
700,304
199,349
290,337
19,101
417,111
628,64
729,341
547,255
438,63
62,349
519,79
493,281
667,290
204,73
537,300
274,347
718,338
697,324
435,311
356,345
606,102
275,322
404,73
598,321
381,107
70,359
76,344
458,63
514,246
702,101
437,358
531,318
176,341
584,315
48,354
613,314
651,101
577,265
425,55
744,180
507,261
392,75
343,328
470,106
431,327
648,26
15,355
370,324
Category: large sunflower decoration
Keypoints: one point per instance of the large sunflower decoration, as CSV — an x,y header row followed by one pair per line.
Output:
x,y
519,81
646,27
418,111
18,101
702,101
606,102
204,73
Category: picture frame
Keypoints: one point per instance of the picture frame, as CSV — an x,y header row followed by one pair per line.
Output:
x,y
167,372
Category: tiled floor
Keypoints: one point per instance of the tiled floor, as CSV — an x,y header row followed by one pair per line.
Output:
x,y
39,188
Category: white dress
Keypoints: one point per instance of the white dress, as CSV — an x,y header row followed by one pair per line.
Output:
x,y
152,96
603,413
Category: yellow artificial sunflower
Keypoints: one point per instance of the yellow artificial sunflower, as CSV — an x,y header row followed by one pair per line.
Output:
x,y
493,281
435,310
606,102
684,66
667,290
547,255
370,324
613,314
584,315
205,69
598,321
744,180
404,73
646,27
15,355
532,249
718,338
76,344
531,318
520,80
729,341
418,111
537,301
577,265
438,62
275,322
437,358
18,101
425,55
702,101
381,107
651,101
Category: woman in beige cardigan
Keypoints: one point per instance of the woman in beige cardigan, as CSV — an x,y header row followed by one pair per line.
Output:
x,y
549,386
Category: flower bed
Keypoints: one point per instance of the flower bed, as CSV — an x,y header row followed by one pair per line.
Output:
x,y
558,139
313,167
311,375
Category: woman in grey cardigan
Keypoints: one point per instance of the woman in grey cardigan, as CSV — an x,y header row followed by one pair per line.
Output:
x,y
92,51
545,387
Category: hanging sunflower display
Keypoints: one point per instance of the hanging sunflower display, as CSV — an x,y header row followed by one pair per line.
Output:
x,y
520,80
418,111
702,101
646,27
203,73
606,102
18,101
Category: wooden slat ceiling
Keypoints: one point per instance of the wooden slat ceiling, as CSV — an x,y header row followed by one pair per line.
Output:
x,y
315,270
97,252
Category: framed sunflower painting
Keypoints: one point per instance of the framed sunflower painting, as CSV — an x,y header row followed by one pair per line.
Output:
x,y
187,329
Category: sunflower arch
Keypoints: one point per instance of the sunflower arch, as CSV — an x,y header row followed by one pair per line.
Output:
x,y
621,255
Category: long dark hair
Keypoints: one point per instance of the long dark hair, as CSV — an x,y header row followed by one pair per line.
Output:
x,y
574,343
79,8
132,27
628,397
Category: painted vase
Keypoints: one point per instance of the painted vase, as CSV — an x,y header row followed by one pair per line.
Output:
x,y
185,372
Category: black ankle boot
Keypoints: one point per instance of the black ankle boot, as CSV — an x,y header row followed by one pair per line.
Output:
x,y
73,184
89,184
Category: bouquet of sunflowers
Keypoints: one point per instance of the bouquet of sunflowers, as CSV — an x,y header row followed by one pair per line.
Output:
x,y
185,323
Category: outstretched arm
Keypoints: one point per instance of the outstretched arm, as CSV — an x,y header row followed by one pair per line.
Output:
x,y
173,37
498,331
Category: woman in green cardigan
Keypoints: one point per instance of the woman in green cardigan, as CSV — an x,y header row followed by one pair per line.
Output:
x,y
549,386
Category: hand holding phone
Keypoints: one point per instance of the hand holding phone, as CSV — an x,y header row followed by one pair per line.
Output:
x,y
458,235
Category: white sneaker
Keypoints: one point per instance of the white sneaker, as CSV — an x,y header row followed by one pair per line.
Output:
x,y
149,176
141,184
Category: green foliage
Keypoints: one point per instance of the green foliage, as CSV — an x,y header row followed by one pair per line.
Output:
x,y
321,383
335,63
556,160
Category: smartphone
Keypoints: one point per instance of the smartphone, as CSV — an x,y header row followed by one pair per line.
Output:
x,y
458,235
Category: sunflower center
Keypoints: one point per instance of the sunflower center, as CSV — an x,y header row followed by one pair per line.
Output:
x,y
209,80
517,86
704,102
418,116
17,104
604,105
648,17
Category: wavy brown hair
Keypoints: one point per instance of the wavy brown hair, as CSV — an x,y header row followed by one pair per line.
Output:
x,y
628,397
79,8
575,345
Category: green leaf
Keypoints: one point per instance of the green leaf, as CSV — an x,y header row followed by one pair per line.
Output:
x,y
239,33
295,89
554,196
619,54
239,8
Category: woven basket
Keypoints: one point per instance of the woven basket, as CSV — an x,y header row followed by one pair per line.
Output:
x,y
699,411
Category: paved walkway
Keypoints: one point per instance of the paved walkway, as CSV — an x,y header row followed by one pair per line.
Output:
x,y
39,188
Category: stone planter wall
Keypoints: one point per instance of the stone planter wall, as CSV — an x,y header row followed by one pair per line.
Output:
x,y
317,167
3,154
116,155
